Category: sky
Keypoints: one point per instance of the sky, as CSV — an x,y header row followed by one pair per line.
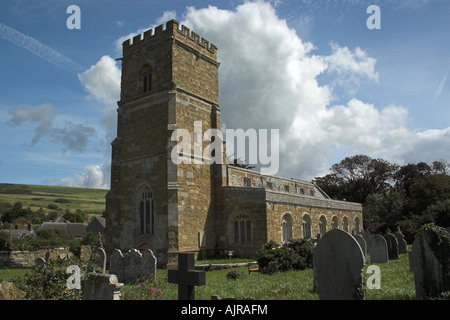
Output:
x,y
317,71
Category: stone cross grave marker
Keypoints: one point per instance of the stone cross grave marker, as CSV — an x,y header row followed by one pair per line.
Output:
x,y
186,277
338,263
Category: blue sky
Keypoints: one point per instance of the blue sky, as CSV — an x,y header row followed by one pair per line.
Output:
x,y
311,69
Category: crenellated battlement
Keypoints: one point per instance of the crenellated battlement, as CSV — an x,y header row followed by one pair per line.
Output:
x,y
172,31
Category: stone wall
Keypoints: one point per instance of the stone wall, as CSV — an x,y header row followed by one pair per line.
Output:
x,y
27,258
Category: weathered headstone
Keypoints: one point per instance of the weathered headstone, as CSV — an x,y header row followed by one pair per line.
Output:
x,y
117,264
378,249
402,244
430,261
186,277
101,286
148,264
39,261
368,238
392,245
132,266
338,262
99,254
362,244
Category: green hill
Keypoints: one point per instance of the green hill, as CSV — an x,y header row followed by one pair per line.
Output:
x,y
52,198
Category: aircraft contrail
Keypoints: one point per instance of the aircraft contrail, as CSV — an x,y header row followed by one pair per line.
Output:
x,y
37,48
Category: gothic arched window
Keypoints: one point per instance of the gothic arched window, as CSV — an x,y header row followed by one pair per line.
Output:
x,y
242,229
306,226
322,225
146,212
345,224
286,226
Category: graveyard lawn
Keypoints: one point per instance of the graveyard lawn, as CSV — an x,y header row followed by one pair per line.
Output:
x,y
397,283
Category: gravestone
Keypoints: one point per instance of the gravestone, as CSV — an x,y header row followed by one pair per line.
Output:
x,y
430,261
338,262
368,238
402,244
378,249
100,286
186,277
99,254
362,244
134,265
117,264
148,264
392,245
39,261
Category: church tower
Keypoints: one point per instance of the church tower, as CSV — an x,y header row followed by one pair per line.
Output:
x,y
169,82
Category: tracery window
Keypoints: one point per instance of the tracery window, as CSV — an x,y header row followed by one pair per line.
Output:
x,y
146,212
242,229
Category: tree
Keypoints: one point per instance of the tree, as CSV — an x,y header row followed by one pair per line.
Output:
x,y
427,191
356,177
408,174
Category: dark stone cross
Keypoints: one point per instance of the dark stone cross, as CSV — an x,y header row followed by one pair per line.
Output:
x,y
186,277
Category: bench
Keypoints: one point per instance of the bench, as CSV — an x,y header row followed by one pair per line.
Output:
x,y
253,267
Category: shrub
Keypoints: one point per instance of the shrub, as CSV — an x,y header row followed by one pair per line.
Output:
x,y
295,255
49,281
235,274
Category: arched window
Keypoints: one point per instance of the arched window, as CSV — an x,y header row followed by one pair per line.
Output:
x,y
322,226
306,227
146,212
286,226
334,223
242,229
357,225
146,78
345,224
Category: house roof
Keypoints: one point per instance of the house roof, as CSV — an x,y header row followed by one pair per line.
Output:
x,y
73,229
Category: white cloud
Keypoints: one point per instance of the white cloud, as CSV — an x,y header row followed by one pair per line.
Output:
x,y
102,81
90,177
268,80
350,66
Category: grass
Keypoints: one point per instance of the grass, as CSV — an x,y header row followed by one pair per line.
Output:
x,y
91,201
397,283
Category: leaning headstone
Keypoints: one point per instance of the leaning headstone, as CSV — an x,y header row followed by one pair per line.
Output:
x,y
392,245
362,244
402,244
430,261
101,286
117,264
338,262
378,249
186,277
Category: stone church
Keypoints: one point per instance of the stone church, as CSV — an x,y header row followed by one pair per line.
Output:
x,y
169,80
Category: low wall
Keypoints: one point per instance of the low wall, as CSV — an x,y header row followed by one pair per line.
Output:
x,y
27,258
